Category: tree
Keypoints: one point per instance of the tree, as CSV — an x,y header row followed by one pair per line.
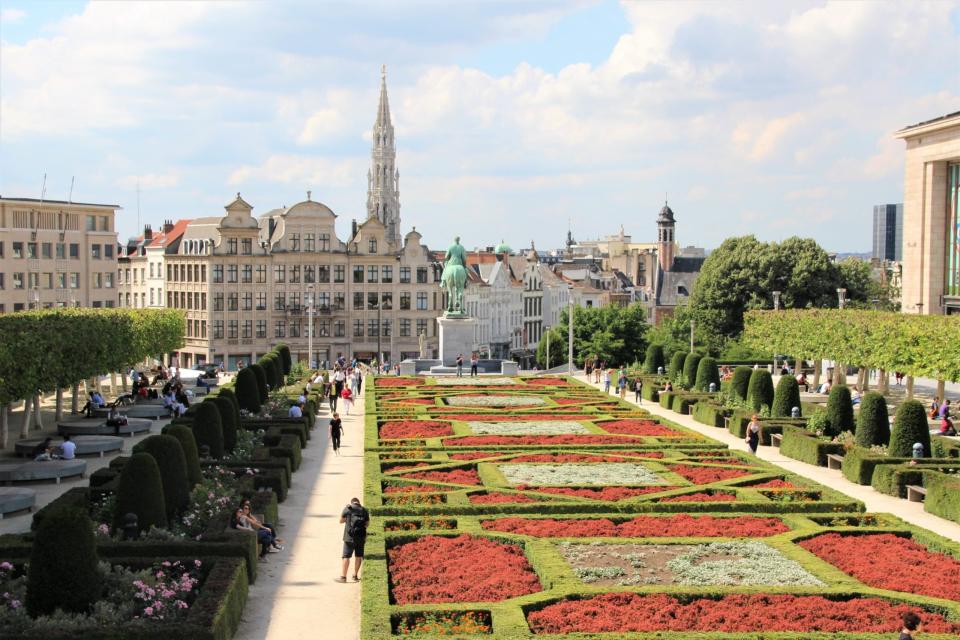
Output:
x,y
740,382
623,340
188,443
909,427
286,360
261,376
707,374
248,391
690,364
228,420
760,389
839,410
63,572
172,463
786,397
208,428
140,491
873,421
558,347
654,360
676,364
604,345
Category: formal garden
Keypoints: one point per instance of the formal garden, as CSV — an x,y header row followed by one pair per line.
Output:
x,y
522,507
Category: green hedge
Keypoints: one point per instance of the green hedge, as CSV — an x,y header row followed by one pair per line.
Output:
x,y
800,445
654,359
839,411
873,421
785,398
676,364
140,491
760,389
943,495
248,391
710,413
690,364
63,570
909,426
740,382
172,463
708,373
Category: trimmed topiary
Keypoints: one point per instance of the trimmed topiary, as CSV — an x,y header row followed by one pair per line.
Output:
x,y
839,410
873,421
909,427
785,398
654,358
760,389
690,364
63,571
227,392
707,373
140,491
271,367
676,363
740,382
261,376
285,358
248,391
168,453
228,421
208,428
188,443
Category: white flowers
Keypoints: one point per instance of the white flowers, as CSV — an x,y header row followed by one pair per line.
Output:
x,y
473,382
495,401
602,473
530,428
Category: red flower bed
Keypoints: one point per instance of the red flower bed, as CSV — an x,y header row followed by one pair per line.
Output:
x,y
384,382
706,475
607,494
640,428
886,561
681,525
478,441
718,496
405,466
566,400
423,401
630,612
499,498
546,382
461,569
415,429
777,483
498,416
455,476
410,488
582,457
474,455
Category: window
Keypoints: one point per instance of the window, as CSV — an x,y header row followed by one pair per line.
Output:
x,y
421,301
357,328
232,329
294,329
246,275
372,272
358,300
324,300
323,328
339,273
339,301
232,249
218,329
373,328
74,251
323,273
294,243
107,280
91,223
61,280
387,275
295,273
386,300
261,328
421,275
107,251
309,273
247,331
309,242
96,280
203,329
232,302
246,246
217,273
94,251
372,300
61,251
74,280
280,329
279,302
262,301
104,223
293,301
324,242
18,280
372,246
46,250
218,302
247,302
18,249
404,275
404,300
339,329
404,327
279,273
231,273
358,274
421,326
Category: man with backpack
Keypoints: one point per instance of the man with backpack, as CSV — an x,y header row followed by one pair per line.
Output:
x,y
355,519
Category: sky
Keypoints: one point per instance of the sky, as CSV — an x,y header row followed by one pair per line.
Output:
x,y
514,120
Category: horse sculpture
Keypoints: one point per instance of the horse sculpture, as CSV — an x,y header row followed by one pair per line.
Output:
x,y
454,278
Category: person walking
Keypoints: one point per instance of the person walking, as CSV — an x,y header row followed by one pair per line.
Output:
x,y
911,625
336,431
474,361
459,365
606,381
332,396
754,432
355,519
622,383
638,390
347,398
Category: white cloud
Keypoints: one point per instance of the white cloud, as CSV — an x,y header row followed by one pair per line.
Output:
x,y
150,181
305,171
12,16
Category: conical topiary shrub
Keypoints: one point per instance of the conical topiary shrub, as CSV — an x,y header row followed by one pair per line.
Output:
x,y
271,367
285,358
248,391
261,375
740,382
63,571
140,491
654,359
676,364
690,364
707,374
227,392
208,428
188,443
839,410
909,427
168,453
873,421
760,389
228,422
785,398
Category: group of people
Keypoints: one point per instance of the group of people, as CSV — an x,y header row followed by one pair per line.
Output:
x,y
592,365
343,385
175,397
941,411
244,520
46,450
474,364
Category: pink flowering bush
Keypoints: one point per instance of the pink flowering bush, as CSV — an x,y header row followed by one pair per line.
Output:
x,y
216,494
167,590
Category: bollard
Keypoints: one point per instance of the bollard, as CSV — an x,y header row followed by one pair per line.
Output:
x,y
131,530
795,412
713,387
917,450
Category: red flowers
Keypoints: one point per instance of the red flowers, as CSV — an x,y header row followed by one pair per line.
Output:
x,y
415,429
630,612
500,498
776,483
383,382
886,561
706,475
639,428
479,441
455,476
501,417
581,457
474,455
546,382
461,569
680,525
607,494
715,496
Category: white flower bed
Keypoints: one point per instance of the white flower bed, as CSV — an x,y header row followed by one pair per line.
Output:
x,y
474,382
601,473
495,401
531,428
751,562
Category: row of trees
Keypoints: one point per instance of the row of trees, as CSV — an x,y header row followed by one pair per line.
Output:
x,y
269,372
613,334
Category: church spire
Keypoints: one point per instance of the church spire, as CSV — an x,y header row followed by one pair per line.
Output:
x,y
383,193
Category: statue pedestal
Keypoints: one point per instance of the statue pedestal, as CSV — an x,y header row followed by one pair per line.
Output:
x,y
456,337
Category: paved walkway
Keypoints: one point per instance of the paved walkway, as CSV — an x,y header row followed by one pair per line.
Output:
x,y
295,595
876,502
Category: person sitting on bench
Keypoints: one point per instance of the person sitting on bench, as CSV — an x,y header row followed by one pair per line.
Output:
x,y
95,402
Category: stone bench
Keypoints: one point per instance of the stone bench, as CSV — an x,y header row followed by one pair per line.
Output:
x,y
13,499
103,412
154,410
100,428
834,461
86,445
916,493
19,471
776,439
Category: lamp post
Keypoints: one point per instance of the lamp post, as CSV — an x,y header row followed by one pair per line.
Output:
x,y
876,303
776,301
691,335
379,331
842,297
310,326
570,331
547,329
35,298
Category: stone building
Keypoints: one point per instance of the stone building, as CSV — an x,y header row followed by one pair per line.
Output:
x,y
676,270
56,254
494,297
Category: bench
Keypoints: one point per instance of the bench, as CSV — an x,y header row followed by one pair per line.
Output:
x,y
916,493
776,439
86,445
19,471
13,499
834,461
100,428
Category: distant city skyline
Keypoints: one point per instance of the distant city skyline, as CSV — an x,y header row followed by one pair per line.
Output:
x,y
511,118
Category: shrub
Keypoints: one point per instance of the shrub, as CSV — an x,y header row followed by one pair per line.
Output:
x,y
228,421
839,411
707,372
873,421
248,390
168,453
654,358
208,428
760,389
676,363
285,360
740,382
140,491
909,426
63,571
786,397
690,364
188,443
261,381
271,367
227,392
943,495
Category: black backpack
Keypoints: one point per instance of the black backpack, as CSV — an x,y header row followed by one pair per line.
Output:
x,y
357,518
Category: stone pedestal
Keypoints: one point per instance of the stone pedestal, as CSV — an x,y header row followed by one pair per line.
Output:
x,y
456,337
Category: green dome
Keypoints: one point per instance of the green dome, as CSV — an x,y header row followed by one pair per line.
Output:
x,y
503,247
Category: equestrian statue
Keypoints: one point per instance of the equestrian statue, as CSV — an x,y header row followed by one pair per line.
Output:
x,y
454,279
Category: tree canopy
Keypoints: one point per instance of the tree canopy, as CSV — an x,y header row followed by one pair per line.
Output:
x,y
612,333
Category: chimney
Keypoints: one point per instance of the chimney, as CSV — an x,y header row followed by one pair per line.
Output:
x,y
147,233
167,226
353,226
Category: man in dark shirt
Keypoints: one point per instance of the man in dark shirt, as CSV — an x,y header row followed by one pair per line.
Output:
x,y
336,431
911,625
355,519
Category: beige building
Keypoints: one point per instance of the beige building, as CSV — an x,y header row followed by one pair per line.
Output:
x,y
56,254
931,227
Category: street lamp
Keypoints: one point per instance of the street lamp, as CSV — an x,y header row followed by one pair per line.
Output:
x,y
310,311
547,329
842,297
570,331
876,303
35,298
776,301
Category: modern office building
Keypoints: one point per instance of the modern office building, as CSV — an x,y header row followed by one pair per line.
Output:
x,y
56,254
888,232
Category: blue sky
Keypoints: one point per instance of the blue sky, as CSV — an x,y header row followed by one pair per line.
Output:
x,y
512,118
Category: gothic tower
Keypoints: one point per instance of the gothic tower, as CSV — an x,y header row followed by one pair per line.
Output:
x,y
383,179
666,238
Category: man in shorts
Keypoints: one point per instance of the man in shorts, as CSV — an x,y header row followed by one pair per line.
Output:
x,y
355,519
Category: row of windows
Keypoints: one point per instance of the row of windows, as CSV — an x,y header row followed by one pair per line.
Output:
x,y
58,250
187,273
59,280
533,306
309,274
186,300
233,329
20,306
